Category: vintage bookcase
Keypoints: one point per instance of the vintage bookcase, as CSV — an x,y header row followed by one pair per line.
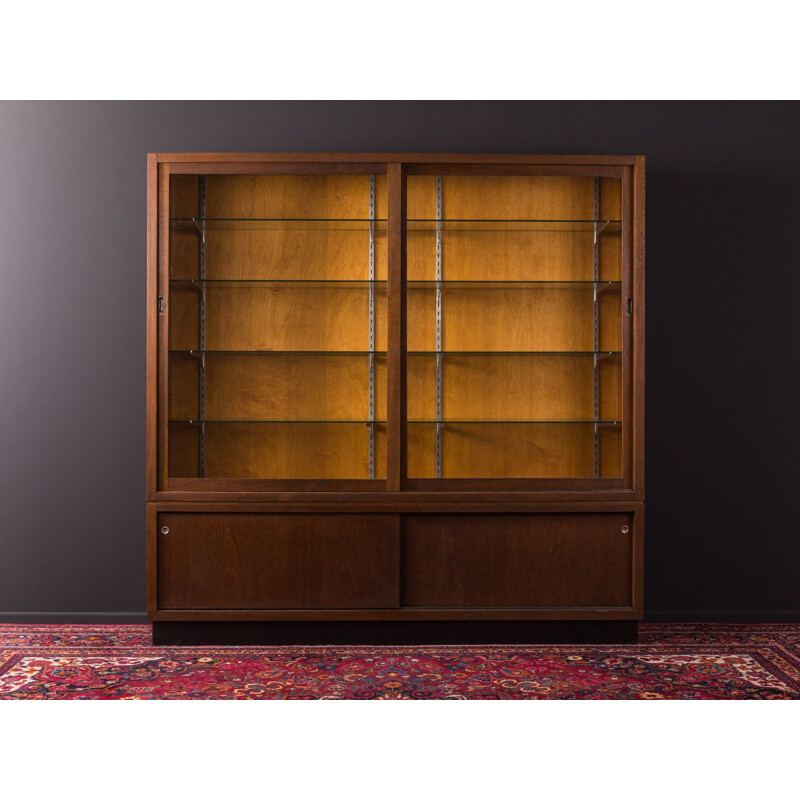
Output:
x,y
394,396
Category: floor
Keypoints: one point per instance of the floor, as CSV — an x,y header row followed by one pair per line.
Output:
x,y
671,661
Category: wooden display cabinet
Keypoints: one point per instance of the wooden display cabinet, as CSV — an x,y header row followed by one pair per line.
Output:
x,y
394,396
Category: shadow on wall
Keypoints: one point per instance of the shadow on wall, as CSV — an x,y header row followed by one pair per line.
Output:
x,y
723,392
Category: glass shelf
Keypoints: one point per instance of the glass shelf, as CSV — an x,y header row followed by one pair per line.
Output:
x,y
517,225
279,352
604,422
268,283
277,421
412,225
609,423
365,284
458,284
604,353
276,224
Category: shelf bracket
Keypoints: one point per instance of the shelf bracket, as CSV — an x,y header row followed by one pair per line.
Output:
x,y
371,326
202,388
438,326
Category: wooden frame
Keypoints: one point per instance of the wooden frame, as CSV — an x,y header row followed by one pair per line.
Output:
x,y
397,493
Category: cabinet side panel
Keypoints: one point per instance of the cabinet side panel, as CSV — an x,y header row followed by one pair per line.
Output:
x,y
151,522
152,324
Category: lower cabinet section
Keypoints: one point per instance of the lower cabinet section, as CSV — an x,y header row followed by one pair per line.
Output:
x,y
397,566
242,561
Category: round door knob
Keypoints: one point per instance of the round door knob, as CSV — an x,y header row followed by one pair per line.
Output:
x,y
165,530
625,529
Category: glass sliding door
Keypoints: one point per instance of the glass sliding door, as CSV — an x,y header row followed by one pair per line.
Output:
x,y
277,327
514,341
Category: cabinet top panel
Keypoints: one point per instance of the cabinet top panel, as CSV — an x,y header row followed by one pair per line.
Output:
x,y
409,158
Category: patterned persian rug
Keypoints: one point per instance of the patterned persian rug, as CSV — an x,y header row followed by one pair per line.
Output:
x,y
693,661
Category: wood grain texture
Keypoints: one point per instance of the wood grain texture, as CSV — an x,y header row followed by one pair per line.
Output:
x,y
610,388
494,450
292,386
294,251
184,317
515,198
242,561
515,170
184,451
246,489
511,254
184,241
292,450
516,560
545,489
511,318
292,318
276,167
403,503
509,388
184,383
428,495
290,197
610,445
502,387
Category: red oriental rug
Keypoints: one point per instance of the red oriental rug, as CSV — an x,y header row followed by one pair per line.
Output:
x,y
693,661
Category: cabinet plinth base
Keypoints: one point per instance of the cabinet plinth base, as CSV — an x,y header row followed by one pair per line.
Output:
x,y
396,633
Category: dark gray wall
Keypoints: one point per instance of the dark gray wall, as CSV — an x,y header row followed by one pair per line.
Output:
x,y
723,258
